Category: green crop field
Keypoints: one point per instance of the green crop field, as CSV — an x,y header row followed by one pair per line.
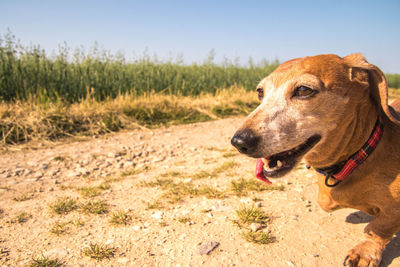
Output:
x,y
70,92
28,72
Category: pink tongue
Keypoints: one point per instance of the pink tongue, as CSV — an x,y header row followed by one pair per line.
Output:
x,y
259,171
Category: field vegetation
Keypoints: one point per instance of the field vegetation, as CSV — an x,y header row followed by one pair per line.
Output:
x,y
78,92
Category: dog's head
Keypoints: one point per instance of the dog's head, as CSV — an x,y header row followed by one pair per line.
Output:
x,y
309,107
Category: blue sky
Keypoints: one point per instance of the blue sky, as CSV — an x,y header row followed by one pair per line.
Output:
x,y
258,29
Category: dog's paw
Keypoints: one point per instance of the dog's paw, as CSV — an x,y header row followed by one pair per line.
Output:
x,y
365,254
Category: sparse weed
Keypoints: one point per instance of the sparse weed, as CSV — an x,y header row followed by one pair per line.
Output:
x,y
95,207
243,186
155,205
59,228
77,223
201,175
210,192
120,218
259,237
45,262
247,216
59,158
64,206
23,197
230,154
163,183
130,172
184,219
226,166
172,174
92,191
98,251
20,218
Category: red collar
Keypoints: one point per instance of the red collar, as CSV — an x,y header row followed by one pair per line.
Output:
x,y
340,171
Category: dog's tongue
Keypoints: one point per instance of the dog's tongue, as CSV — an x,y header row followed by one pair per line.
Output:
x,y
259,171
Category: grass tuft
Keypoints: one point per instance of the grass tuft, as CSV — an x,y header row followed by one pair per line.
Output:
x,y
64,206
45,262
184,220
59,228
247,216
98,251
120,218
20,218
92,191
258,237
22,198
243,186
95,207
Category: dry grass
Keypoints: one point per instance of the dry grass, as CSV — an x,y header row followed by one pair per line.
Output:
x,y
120,218
258,237
44,262
246,216
94,207
25,121
244,186
63,206
98,251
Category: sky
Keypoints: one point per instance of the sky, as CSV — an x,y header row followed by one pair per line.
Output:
x,y
232,29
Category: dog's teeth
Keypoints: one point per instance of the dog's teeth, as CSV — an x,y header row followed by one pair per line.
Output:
x,y
265,161
279,163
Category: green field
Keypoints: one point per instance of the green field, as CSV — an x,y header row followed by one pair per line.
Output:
x,y
68,75
75,92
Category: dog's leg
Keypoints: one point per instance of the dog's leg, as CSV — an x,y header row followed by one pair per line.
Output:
x,y
378,234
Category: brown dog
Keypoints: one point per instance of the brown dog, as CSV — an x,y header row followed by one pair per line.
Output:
x,y
334,112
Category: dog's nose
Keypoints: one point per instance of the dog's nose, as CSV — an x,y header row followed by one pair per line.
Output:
x,y
245,141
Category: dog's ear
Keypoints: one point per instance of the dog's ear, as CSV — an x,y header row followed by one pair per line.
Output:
x,y
373,77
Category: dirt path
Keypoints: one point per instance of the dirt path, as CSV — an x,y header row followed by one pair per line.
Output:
x,y
122,170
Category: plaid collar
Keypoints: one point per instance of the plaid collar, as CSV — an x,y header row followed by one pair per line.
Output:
x,y
340,171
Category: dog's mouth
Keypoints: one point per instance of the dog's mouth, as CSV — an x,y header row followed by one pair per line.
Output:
x,y
279,164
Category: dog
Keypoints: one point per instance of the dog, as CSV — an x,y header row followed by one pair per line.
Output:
x,y
334,113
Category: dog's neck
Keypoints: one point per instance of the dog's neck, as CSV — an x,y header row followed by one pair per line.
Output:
x,y
343,142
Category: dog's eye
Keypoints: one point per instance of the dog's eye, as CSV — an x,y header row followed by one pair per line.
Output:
x,y
260,92
303,92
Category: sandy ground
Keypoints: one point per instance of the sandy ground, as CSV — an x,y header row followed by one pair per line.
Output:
x,y
31,180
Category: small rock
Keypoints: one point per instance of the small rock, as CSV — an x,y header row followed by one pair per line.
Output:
x,y
38,175
59,253
129,164
157,160
44,166
136,228
123,261
83,171
112,155
255,227
207,247
187,180
157,215
110,241
18,171
27,172
258,204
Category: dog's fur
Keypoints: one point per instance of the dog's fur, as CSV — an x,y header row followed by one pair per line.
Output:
x,y
351,95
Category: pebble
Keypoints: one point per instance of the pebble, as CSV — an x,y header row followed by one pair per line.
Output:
x,y
207,247
136,228
59,253
157,215
255,227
